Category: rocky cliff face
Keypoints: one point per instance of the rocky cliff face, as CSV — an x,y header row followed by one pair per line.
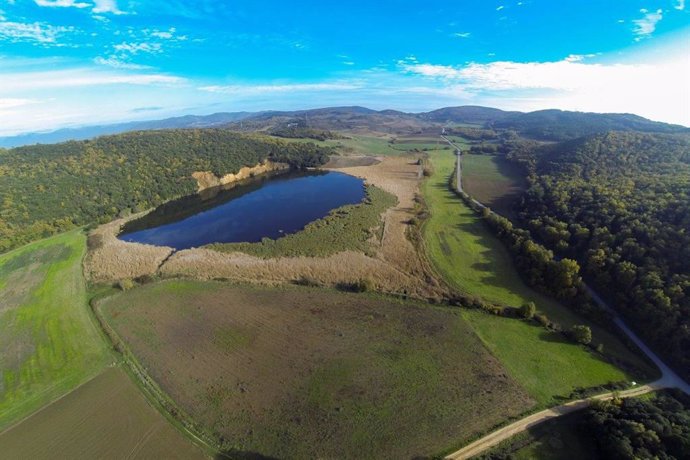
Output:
x,y
206,179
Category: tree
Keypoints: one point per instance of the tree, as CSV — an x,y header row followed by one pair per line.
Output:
x,y
581,334
528,310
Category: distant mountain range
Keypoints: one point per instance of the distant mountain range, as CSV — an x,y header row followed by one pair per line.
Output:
x,y
543,124
88,132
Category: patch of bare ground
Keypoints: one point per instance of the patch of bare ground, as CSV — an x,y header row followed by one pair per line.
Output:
x,y
294,372
110,259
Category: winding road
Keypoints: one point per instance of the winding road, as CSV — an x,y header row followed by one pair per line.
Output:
x,y
669,379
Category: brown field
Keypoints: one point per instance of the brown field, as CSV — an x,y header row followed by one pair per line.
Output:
x,y
107,417
340,161
493,181
297,372
396,266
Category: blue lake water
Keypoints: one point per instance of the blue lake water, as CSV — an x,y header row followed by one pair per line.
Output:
x,y
265,207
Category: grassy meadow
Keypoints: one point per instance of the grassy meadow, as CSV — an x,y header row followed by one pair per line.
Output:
x,y
296,372
107,417
48,341
474,262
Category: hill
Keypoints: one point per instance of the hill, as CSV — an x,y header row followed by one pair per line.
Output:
x,y
551,125
619,203
89,132
559,125
45,189
469,114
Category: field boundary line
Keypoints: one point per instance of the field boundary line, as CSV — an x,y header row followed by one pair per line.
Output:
x,y
45,406
153,394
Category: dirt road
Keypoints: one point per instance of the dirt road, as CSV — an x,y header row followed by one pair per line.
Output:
x,y
511,430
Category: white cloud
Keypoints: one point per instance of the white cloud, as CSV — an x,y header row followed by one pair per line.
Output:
x,y
245,90
113,61
680,5
136,48
166,35
462,34
500,8
10,103
646,26
97,7
62,3
37,81
106,6
32,32
658,90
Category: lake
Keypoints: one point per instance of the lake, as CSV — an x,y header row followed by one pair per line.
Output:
x,y
268,206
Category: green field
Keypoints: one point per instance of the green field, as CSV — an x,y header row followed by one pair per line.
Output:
x,y
48,342
295,372
346,228
364,145
493,181
368,145
107,417
474,262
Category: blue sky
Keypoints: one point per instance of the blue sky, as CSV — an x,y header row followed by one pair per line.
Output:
x,y
75,62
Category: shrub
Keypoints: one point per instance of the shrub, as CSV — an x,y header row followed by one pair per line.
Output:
x,y
528,310
125,284
363,285
581,334
543,320
307,281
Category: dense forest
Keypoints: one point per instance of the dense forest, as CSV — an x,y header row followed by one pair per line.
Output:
x,y
640,428
45,189
619,204
559,125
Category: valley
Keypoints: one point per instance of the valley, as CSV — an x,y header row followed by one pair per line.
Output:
x,y
387,325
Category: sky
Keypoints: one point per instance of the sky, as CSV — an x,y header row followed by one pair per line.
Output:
x,y
68,63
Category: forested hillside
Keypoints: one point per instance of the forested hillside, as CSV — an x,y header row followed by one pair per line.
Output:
x,y
559,125
619,203
45,189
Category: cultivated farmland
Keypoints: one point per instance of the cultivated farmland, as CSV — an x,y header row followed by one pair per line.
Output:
x,y
493,181
303,373
107,417
48,342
